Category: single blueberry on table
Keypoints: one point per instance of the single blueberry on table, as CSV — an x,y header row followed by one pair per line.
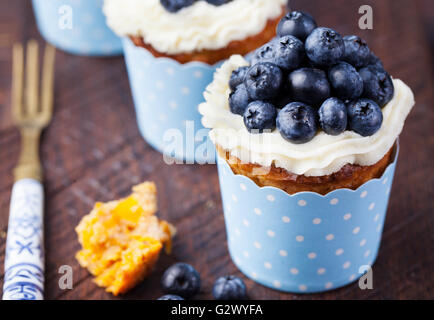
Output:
x,y
263,81
364,117
324,46
239,100
297,122
260,116
237,77
176,5
346,82
356,51
170,297
296,23
377,85
310,86
333,116
181,279
229,288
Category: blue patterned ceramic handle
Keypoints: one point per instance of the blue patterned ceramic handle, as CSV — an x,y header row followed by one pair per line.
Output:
x,y
24,261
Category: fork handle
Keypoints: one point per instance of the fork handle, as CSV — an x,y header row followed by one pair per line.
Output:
x,y
24,261
29,164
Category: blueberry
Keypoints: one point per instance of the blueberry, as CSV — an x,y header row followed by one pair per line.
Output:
x,y
170,297
264,53
333,116
237,77
346,82
377,85
288,53
356,51
218,2
181,279
239,100
176,5
260,116
229,288
297,122
325,46
263,81
282,100
296,23
309,86
374,61
364,117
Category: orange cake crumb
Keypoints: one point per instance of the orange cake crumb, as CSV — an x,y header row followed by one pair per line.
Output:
x,y
122,240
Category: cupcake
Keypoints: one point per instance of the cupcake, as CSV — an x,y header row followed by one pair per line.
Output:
x,y
76,26
172,49
307,138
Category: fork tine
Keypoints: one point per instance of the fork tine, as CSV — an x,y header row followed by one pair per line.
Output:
x,y
17,81
48,82
32,78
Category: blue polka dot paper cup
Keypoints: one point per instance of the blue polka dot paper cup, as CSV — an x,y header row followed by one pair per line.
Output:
x,y
166,95
76,26
307,242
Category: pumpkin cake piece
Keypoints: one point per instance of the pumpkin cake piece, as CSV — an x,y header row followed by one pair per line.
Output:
x,y
122,240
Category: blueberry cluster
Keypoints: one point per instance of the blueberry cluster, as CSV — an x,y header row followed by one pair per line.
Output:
x,y
176,5
183,281
310,78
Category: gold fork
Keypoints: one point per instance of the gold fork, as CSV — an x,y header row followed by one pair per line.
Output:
x,y
24,261
30,115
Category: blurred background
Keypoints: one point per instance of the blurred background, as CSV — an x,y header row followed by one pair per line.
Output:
x,y
93,151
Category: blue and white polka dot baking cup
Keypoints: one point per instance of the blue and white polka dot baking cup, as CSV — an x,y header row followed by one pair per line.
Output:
x,y
166,95
76,26
306,242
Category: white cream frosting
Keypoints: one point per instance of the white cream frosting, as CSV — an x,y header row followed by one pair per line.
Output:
x,y
323,155
200,26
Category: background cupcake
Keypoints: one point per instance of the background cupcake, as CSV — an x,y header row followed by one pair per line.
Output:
x,y
307,138
76,26
171,53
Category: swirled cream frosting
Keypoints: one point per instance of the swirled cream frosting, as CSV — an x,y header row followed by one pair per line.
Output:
x,y
323,155
194,28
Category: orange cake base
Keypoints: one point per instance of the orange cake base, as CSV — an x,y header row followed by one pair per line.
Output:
x,y
122,240
350,176
211,57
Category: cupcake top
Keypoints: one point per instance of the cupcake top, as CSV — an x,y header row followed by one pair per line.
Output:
x,y
309,106
198,26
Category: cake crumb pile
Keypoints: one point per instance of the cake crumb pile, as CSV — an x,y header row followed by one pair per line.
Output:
x,y
122,240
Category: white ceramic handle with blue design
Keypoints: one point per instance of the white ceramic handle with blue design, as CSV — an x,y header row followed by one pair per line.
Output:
x,y
24,261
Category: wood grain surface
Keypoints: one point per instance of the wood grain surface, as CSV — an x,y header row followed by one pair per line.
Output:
x,y
93,151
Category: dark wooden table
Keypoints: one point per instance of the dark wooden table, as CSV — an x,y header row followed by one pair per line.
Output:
x,y
93,151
